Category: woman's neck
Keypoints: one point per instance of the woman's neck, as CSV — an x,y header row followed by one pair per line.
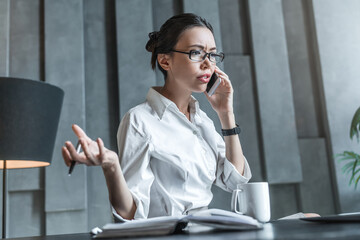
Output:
x,y
180,98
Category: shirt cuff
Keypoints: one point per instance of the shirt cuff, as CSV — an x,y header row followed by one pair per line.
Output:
x,y
233,176
116,217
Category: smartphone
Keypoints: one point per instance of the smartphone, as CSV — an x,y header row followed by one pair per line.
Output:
x,y
213,84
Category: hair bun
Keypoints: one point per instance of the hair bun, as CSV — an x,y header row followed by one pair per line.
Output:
x,y
153,38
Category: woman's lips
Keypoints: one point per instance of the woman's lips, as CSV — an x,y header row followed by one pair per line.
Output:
x,y
204,78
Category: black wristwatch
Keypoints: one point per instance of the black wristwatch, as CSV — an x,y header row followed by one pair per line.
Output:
x,y
233,131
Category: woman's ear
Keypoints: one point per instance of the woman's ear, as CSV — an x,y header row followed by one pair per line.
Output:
x,y
163,60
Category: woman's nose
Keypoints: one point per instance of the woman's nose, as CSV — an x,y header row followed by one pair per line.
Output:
x,y
206,63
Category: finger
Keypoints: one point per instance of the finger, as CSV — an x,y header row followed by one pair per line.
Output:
x,y
66,156
74,156
101,147
225,81
89,155
79,132
221,73
206,94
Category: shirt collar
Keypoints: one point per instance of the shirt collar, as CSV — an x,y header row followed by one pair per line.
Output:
x,y
160,103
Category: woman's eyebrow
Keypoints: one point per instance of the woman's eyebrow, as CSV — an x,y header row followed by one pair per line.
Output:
x,y
202,47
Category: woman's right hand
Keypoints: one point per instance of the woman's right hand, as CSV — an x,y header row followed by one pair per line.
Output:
x,y
94,153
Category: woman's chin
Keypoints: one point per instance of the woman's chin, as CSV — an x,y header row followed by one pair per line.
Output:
x,y
200,89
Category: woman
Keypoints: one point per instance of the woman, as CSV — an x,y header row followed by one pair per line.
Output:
x,y
169,151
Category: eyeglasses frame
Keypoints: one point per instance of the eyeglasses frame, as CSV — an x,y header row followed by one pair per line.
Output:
x,y
207,54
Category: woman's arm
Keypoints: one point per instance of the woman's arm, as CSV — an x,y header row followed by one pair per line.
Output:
x,y
234,151
95,154
222,103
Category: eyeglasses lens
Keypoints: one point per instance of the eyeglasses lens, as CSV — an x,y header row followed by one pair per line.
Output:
x,y
198,55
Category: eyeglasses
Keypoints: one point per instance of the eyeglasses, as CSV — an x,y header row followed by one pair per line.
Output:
x,y
200,55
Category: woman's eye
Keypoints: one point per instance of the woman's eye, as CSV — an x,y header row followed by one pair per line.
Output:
x,y
195,52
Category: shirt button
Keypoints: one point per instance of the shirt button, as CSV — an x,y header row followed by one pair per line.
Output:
x,y
195,132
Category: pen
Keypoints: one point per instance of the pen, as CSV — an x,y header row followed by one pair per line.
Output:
x,y
78,149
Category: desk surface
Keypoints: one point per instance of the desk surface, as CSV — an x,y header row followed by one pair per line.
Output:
x,y
285,229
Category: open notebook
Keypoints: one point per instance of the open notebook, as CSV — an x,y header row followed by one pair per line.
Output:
x,y
214,218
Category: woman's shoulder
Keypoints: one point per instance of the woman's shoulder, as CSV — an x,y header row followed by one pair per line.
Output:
x,y
140,112
139,117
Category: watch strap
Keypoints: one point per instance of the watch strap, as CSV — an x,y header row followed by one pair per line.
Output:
x,y
233,131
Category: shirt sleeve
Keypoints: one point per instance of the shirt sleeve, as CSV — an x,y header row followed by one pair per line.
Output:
x,y
227,176
134,156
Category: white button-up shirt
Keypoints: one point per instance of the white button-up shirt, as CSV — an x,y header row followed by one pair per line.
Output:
x,y
170,163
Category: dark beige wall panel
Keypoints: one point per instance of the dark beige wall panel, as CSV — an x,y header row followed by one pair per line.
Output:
x,y
64,56
101,98
338,40
133,23
317,180
274,92
4,37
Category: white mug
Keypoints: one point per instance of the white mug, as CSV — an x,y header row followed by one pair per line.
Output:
x,y
252,199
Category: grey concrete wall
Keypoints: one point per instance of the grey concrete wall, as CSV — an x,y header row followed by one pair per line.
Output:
x,y
337,38
65,197
292,65
4,37
101,97
273,85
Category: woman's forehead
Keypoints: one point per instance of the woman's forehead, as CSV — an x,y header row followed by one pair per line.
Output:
x,y
197,36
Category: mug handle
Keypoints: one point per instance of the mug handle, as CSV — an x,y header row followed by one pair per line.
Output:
x,y
234,201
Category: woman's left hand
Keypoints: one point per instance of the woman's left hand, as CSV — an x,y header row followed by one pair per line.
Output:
x,y
222,100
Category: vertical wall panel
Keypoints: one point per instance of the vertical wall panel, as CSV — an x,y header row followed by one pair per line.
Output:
x,y
283,201
66,222
233,21
208,9
239,70
101,98
316,178
65,68
4,37
135,74
22,180
274,92
163,10
25,62
339,56
25,39
233,25
26,214
300,69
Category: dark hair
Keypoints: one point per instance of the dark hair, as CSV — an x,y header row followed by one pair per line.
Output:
x,y
164,41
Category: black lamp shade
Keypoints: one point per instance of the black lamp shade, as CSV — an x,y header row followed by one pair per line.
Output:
x,y
29,119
